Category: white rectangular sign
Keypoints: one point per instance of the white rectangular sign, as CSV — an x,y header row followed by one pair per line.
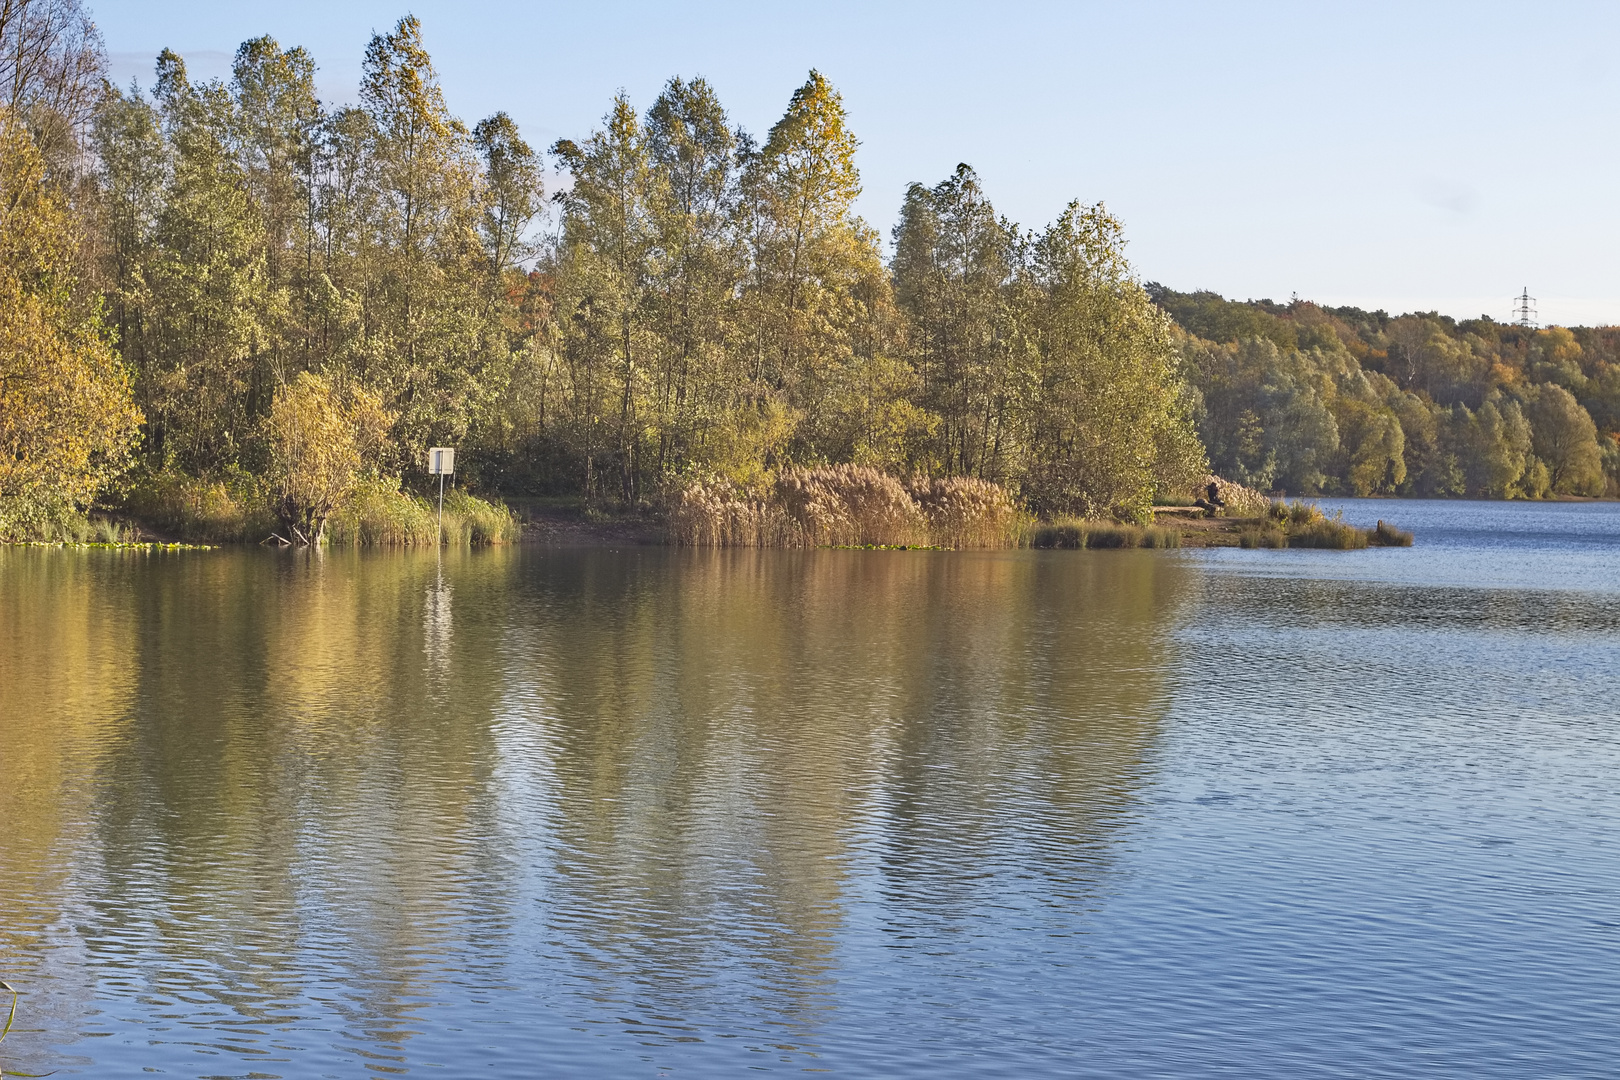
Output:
x,y
442,460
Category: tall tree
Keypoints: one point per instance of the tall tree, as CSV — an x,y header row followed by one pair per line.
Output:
x,y
427,350
955,265
699,387
824,328
800,187
279,122
211,307
67,417
52,66
1109,424
608,246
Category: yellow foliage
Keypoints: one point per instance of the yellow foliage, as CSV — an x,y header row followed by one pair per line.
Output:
x,y
67,417
320,439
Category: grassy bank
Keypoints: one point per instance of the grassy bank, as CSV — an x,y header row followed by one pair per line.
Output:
x,y
235,509
1075,533
380,514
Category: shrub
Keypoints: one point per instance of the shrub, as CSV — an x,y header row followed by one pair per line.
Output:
x,y
320,438
200,510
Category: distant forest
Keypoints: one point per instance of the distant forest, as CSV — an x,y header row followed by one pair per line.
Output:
x,y
1308,399
230,294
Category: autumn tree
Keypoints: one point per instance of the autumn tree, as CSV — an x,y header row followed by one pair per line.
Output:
x,y
700,386
321,439
1565,439
605,266
52,67
417,263
1109,425
67,419
956,272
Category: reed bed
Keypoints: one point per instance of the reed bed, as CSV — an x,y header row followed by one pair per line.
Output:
x,y
965,512
1241,502
200,510
848,506
379,514
1303,525
1077,533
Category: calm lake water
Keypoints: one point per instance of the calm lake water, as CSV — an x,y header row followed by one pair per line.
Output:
x,y
644,813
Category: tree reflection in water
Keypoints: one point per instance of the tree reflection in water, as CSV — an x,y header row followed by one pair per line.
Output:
x,y
672,794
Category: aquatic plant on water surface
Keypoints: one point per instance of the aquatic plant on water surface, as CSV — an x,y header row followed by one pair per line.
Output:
x,y
11,1016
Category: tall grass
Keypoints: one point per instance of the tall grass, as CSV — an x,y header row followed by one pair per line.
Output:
x,y
1303,525
851,506
847,506
379,514
477,521
1077,533
715,515
965,512
207,511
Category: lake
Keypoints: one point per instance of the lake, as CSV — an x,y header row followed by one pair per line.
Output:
x,y
645,812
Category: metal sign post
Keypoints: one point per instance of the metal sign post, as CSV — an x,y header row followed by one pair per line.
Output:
x,y
441,463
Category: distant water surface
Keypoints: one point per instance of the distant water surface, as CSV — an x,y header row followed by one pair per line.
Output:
x,y
643,812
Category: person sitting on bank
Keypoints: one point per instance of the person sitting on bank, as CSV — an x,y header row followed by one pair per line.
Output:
x,y
1214,503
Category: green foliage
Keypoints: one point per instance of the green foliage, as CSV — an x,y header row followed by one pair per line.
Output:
x,y
711,307
67,420
377,513
471,520
309,297
229,508
1068,532
1351,402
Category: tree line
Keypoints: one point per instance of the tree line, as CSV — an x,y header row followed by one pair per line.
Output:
x,y
695,304
232,283
1313,399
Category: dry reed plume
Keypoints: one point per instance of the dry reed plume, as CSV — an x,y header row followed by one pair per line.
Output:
x,y
848,506
1241,502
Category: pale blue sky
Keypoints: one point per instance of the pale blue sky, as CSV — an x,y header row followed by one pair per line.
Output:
x,y
1405,156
